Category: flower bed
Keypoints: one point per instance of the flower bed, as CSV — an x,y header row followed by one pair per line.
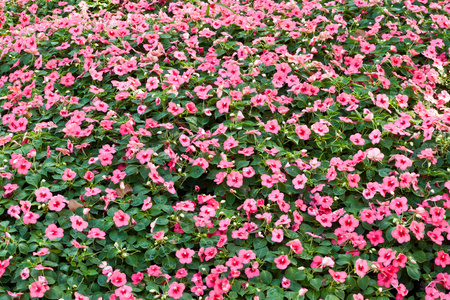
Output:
x,y
232,150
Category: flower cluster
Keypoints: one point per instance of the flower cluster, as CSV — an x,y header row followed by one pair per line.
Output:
x,y
259,149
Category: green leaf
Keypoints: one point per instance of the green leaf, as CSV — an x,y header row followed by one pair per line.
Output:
x,y
266,277
316,283
293,171
55,292
23,248
195,172
386,142
331,297
413,272
363,282
187,225
338,191
294,274
34,179
384,172
169,263
420,256
150,254
275,293
323,250
131,260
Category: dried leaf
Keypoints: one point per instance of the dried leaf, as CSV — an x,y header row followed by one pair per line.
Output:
x,y
121,193
74,204
360,33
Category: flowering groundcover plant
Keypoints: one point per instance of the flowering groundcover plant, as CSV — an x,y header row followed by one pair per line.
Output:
x,y
234,150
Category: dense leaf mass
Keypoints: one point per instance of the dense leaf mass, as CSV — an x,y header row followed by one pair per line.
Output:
x,y
232,150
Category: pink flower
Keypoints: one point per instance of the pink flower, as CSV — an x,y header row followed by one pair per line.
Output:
x,y
302,131
436,236
442,259
96,233
159,236
235,179
272,127
386,256
117,278
349,223
175,109
399,204
338,276
30,218
123,292
57,203
322,262
68,174
176,290
137,278
241,234
374,154
428,153
25,273
43,194
361,267
295,246
285,283
121,219
78,296
144,156
68,79
353,180
320,128
92,191
117,176
401,234
357,139
282,262
181,273
38,289
185,255
191,108
299,181
154,270
417,228
230,143
43,251
277,235
223,105
78,223
235,263
54,232
246,255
